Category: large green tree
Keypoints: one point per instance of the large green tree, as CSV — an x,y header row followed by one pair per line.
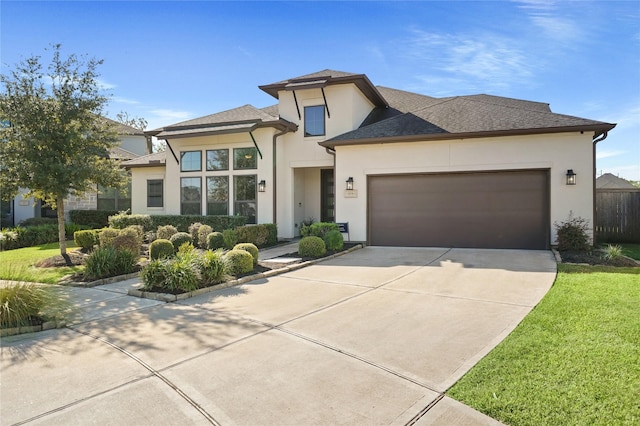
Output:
x,y
53,139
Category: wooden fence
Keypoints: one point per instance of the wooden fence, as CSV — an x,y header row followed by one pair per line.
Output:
x,y
618,215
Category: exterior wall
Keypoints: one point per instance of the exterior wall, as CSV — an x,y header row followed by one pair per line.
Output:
x,y
24,208
557,152
139,177
135,144
88,201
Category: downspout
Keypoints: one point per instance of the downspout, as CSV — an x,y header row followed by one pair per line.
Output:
x,y
597,138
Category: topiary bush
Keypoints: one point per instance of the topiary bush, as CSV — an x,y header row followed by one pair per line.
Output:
x,y
108,262
203,233
106,236
165,232
86,239
179,239
213,267
122,220
239,261
193,230
334,240
215,240
248,247
311,247
572,234
255,234
160,249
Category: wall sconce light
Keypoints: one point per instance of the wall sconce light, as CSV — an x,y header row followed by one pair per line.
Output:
x,y
350,184
261,185
571,177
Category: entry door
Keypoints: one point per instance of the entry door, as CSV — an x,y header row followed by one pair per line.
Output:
x,y
327,194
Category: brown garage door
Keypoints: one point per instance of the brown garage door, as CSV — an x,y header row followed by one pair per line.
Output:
x,y
483,210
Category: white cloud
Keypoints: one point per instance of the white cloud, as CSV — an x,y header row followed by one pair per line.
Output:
x,y
125,101
606,154
163,117
104,85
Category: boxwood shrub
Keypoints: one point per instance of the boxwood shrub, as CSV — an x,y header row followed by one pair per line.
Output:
x,y
239,261
250,248
215,240
203,233
182,222
318,229
122,220
161,248
166,231
179,239
334,240
86,239
311,247
91,218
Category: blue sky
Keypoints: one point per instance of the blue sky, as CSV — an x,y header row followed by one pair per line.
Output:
x,y
171,61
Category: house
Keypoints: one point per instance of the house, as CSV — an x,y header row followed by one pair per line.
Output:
x,y
133,143
403,169
610,181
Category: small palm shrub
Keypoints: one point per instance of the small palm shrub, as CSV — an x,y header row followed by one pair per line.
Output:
x,y
203,233
109,262
160,249
248,247
572,234
334,240
179,239
107,235
230,238
215,240
166,232
193,230
213,267
239,261
85,239
23,303
311,247
612,252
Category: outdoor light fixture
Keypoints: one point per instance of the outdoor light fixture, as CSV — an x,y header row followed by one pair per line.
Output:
x,y
571,177
261,185
350,184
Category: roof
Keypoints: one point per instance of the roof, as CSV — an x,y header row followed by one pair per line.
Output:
x,y
237,120
413,117
150,160
118,153
609,181
325,78
124,129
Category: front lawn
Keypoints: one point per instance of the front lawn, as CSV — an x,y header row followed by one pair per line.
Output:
x,y
17,265
575,359
631,250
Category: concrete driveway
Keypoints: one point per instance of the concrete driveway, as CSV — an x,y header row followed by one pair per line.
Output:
x,y
373,337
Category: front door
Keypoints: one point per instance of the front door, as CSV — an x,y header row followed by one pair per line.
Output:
x,y
327,194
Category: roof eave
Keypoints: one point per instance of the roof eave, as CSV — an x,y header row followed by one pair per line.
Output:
x,y
600,127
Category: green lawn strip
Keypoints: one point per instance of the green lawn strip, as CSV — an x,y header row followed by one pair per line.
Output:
x,y
631,250
574,360
17,265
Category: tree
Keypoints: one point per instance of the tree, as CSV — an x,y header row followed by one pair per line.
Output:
x,y
135,122
55,141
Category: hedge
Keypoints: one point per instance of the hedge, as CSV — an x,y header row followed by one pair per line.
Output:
x,y
218,223
91,218
18,237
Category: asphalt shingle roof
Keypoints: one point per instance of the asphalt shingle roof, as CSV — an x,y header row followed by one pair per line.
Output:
x,y
610,181
149,160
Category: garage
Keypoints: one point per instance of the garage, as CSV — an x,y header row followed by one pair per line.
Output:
x,y
505,209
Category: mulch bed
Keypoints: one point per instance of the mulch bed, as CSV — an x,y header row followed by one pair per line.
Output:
x,y
76,258
595,258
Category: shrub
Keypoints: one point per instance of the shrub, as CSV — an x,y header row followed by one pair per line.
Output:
x,y
72,228
122,220
129,241
86,239
250,248
23,302
213,267
272,238
203,233
154,274
91,218
612,252
334,240
179,239
572,234
320,229
165,232
215,240
37,221
193,230
254,234
182,272
108,262
230,238
161,248
239,261
106,236
311,247
182,222
305,225
138,229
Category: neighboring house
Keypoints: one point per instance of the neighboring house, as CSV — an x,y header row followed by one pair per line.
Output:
x,y
403,169
610,181
133,143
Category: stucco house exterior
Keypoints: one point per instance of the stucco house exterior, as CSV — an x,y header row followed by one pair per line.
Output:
x,y
403,169
132,143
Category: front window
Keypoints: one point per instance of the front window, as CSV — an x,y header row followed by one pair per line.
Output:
x,y
244,189
155,192
114,199
190,161
245,158
218,195
190,195
218,159
314,120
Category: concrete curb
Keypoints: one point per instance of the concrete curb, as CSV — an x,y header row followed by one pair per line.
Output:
x,y
102,281
168,297
49,325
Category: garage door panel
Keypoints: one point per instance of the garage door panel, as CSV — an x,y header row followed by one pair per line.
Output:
x,y
493,210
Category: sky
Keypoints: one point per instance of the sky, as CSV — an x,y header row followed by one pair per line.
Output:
x,y
169,61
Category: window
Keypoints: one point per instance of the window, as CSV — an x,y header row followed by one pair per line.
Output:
x,y
314,120
114,199
190,161
245,158
244,189
190,195
218,195
218,159
155,192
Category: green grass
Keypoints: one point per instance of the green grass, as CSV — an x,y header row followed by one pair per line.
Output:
x,y
574,360
631,250
17,265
